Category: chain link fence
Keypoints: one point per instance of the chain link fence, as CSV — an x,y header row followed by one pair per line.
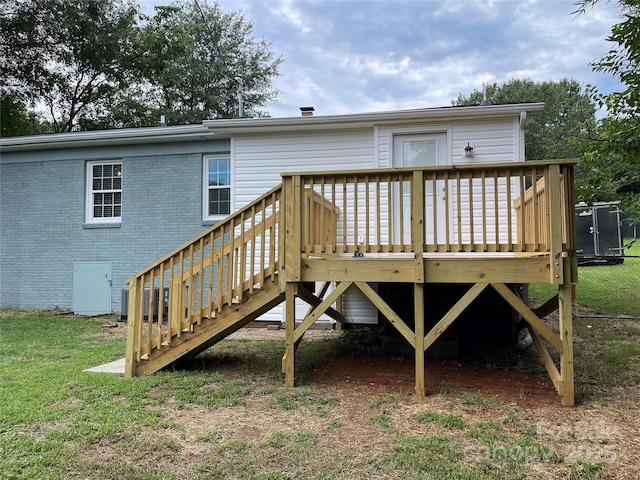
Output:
x,y
610,288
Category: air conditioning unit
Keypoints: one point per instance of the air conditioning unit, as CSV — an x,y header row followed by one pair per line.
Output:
x,y
156,301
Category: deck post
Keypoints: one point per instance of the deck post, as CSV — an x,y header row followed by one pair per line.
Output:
x,y
293,227
555,224
566,334
133,330
417,241
418,295
290,327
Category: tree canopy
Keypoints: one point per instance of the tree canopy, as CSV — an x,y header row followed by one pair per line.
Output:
x,y
610,169
555,132
198,57
90,64
68,57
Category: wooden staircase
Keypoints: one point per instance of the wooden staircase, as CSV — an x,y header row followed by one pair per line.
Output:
x,y
217,283
211,330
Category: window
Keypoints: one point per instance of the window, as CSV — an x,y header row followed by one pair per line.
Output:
x,y
217,190
104,192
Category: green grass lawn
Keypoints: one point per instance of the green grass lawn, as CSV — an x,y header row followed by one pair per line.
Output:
x,y
607,290
233,418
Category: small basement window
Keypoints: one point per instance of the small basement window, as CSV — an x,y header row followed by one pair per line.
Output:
x,y
104,192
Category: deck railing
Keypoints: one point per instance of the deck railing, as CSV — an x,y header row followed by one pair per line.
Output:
x,y
465,208
496,208
215,269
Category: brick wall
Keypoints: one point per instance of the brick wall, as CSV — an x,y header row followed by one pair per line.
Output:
x,y
43,230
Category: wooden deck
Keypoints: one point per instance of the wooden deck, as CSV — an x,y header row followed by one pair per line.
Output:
x,y
484,225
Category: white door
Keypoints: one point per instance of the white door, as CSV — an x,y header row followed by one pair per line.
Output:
x,y
422,150
91,288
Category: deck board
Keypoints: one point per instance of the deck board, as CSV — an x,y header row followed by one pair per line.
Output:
x,y
438,268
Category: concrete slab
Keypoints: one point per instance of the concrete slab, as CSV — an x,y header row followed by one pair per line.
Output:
x,y
116,367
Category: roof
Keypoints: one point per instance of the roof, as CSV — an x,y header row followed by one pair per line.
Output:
x,y
363,120
224,128
100,138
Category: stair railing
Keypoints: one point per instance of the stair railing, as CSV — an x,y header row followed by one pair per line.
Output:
x,y
195,282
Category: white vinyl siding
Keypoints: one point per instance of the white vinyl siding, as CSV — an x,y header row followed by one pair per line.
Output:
x,y
258,162
493,141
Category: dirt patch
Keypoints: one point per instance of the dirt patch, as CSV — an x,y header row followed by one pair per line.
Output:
x,y
383,374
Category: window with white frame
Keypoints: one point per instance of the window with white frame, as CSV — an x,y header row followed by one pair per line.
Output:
x,y
104,192
217,186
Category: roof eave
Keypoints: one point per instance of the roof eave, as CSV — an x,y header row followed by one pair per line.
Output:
x,y
365,120
100,138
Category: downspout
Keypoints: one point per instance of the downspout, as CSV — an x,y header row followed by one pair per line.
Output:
x,y
523,121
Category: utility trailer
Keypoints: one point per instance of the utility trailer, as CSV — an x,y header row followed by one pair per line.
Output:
x,y
599,234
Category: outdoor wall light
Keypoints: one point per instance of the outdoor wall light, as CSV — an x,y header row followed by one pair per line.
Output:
x,y
468,151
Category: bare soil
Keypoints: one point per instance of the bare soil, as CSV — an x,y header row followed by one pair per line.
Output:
x,y
603,427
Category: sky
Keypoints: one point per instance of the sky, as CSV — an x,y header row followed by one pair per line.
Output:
x,y
357,56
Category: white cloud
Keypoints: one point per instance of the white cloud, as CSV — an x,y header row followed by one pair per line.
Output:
x,y
353,56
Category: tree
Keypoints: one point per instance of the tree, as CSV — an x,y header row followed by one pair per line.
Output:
x,y
16,119
98,64
198,57
555,132
69,57
610,170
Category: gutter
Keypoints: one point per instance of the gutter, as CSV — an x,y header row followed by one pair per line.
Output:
x,y
365,120
99,138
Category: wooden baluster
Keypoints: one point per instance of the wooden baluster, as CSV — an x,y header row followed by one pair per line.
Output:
x,y
242,270
434,210
483,180
263,240
522,227
535,207
378,214
509,213
276,212
391,216
161,306
367,201
459,209
221,269
401,212
471,209
150,312
229,254
252,258
212,252
356,213
496,210
198,311
173,298
447,214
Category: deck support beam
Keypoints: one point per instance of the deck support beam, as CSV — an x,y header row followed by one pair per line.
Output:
x,y
388,312
455,311
566,354
418,302
563,380
547,361
319,305
290,326
531,318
